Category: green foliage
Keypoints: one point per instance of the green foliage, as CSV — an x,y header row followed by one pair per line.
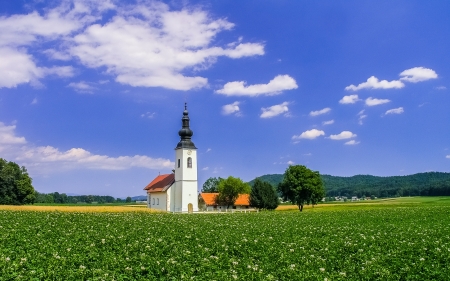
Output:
x,y
211,185
229,190
128,200
408,243
422,184
301,186
15,184
62,198
263,195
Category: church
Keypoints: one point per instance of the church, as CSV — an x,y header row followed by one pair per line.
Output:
x,y
177,192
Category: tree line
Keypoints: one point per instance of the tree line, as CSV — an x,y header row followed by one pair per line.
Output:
x,y
62,198
421,184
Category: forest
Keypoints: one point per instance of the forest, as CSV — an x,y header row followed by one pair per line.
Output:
x,y
421,184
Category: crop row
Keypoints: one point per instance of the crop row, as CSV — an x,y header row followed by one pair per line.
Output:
x,y
411,243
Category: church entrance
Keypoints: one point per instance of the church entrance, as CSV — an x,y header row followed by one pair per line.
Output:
x,y
190,208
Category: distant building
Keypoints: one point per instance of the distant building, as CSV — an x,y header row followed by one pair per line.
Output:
x,y
208,202
177,192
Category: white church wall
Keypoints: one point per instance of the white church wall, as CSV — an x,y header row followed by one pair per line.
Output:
x,y
158,201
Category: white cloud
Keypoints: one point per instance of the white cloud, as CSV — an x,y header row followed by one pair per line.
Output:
x,y
274,87
205,169
208,150
232,108
352,142
372,102
310,134
441,88
418,74
361,118
47,159
144,44
148,115
82,87
274,110
7,135
395,111
35,101
343,135
290,162
374,83
349,99
448,156
320,112
329,122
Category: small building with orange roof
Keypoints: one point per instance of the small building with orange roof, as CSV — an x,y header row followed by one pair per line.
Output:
x,y
208,202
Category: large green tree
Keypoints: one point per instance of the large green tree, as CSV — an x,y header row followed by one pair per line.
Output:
x,y
229,190
301,186
15,184
211,185
263,195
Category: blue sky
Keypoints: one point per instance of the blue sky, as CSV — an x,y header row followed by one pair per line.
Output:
x,y
92,92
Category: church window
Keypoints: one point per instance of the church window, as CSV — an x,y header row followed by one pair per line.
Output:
x,y
153,201
189,162
157,201
179,163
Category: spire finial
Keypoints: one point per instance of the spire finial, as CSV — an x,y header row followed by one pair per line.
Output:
x,y
185,106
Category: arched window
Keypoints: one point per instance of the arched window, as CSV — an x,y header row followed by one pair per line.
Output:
x,y
157,201
189,163
153,201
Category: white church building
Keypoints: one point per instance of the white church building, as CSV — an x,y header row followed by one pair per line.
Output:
x,y
177,192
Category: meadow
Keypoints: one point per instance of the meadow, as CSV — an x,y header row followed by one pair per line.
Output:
x,y
404,239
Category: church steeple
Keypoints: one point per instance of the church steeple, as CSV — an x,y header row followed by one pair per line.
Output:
x,y
185,133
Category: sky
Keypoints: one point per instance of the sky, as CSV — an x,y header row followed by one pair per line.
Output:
x,y
92,92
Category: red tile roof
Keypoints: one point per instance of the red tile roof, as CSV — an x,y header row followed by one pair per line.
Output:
x,y
160,183
210,199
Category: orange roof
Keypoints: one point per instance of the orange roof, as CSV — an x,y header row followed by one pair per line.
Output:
x,y
210,199
160,183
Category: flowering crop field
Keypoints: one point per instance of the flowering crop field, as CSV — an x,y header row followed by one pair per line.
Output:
x,y
391,243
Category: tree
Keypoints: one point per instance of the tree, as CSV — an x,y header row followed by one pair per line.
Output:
x,y
15,184
210,185
301,186
128,200
229,190
263,195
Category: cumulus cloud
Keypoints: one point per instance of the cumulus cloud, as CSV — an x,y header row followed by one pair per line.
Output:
x,y
352,142
232,108
320,112
274,110
374,83
82,87
145,44
395,111
310,134
372,102
329,122
418,74
349,99
343,135
46,159
290,162
448,156
205,169
275,86
8,136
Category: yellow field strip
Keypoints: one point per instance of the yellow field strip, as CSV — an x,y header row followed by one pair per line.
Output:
x,y
85,209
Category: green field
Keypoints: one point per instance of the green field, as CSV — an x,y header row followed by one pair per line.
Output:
x,y
402,239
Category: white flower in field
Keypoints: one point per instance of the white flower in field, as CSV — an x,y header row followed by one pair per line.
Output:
x,y
235,263
127,259
325,279
68,249
342,273
234,276
7,259
128,268
23,259
291,250
322,269
92,245
159,240
82,267
103,241
422,259
292,266
142,268
249,266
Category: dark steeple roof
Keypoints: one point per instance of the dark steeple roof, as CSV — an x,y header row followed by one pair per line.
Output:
x,y
185,133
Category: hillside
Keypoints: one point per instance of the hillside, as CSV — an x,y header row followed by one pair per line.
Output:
x,y
424,184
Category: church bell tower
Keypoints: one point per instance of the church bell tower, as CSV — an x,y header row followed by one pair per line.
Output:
x,y
184,195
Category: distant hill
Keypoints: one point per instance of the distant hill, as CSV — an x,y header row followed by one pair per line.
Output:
x,y
421,184
139,198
